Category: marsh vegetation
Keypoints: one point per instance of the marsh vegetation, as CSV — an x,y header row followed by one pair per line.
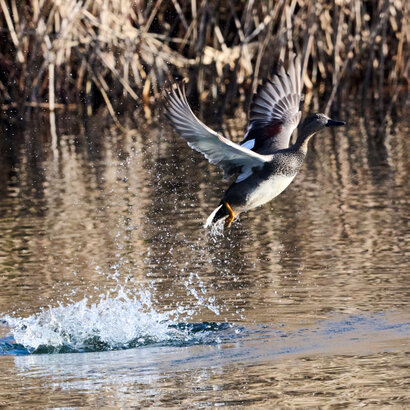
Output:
x,y
58,54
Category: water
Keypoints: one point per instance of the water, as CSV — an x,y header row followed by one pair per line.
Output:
x,y
113,294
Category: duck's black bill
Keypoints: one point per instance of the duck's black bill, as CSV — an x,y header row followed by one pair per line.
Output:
x,y
334,123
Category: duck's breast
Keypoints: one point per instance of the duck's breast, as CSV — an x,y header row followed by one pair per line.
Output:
x,y
268,189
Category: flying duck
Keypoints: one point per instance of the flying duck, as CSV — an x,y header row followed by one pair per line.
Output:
x,y
263,164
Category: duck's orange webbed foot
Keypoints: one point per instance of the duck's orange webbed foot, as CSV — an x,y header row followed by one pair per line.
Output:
x,y
231,215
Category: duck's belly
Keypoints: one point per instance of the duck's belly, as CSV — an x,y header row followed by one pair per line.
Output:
x,y
268,189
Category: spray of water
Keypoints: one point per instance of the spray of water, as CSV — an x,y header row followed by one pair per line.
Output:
x,y
119,319
112,323
217,229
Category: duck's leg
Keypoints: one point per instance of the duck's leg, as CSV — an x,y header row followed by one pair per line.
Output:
x,y
231,215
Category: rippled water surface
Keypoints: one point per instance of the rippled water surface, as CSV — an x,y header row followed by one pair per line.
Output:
x,y
113,294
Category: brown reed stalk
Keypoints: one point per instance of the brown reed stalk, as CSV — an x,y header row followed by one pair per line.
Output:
x,y
57,50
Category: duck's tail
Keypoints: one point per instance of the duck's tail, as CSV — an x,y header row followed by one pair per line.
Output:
x,y
219,213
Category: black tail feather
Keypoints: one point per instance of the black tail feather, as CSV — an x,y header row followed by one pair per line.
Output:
x,y
221,213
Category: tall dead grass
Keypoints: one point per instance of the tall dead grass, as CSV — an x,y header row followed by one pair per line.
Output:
x,y
64,53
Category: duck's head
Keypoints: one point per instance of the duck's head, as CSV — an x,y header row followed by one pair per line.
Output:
x,y
315,122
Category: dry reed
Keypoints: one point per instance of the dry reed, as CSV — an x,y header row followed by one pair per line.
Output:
x,y
89,52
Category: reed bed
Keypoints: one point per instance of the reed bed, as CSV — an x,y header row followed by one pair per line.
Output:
x,y
69,53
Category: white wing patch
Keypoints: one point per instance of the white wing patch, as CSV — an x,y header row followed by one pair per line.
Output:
x,y
249,144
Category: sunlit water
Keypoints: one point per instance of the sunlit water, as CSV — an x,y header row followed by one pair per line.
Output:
x,y
113,293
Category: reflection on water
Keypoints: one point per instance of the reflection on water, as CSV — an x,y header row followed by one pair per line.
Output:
x,y
105,213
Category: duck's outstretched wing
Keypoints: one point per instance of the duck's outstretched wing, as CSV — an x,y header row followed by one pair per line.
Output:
x,y
275,111
231,157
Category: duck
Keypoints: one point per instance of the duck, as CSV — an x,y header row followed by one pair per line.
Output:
x,y
265,162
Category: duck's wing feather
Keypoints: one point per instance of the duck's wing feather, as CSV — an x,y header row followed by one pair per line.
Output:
x,y
274,113
231,157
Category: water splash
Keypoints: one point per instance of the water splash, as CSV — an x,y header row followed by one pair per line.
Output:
x,y
217,229
202,298
113,323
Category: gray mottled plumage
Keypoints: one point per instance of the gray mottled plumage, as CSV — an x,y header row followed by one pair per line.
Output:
x,y
284,164
264,164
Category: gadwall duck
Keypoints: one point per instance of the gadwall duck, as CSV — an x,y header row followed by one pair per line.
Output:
x,y
263,164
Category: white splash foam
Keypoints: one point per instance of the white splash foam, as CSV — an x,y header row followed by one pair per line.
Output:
x,y
116,322
217,229
113,322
